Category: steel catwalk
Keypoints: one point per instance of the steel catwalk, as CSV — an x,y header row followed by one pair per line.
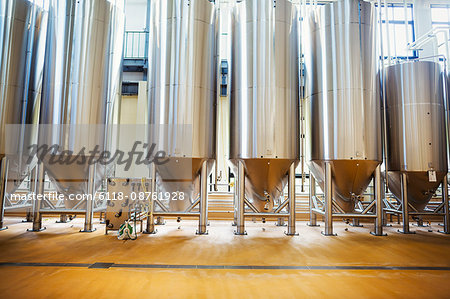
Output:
x,y
82,81
417,129
22,47
182,83
264,115
343,112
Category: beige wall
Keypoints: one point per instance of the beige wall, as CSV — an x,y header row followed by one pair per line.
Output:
x,y
133,117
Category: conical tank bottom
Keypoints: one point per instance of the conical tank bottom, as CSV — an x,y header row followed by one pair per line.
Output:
x,y
178,182
420,189
72,179
18,170
350,179
265,180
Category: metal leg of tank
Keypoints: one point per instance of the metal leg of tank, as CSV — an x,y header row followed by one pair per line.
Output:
x,y
102,217
39,192
235,196
356,223
445,200
280,222
291,194
88,227
3,182
328,201
419,220
29,216
160,221
312,194
62,218
150,228
240,201
379,203
203,219
405,211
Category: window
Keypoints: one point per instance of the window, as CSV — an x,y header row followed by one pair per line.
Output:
x,y
440,18
396,34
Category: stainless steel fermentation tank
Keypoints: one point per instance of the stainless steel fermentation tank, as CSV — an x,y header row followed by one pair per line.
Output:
x,y
82,80
264,140
342,109
416,140
182,103
22,41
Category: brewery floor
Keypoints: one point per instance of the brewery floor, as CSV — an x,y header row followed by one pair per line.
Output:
x,y
61,262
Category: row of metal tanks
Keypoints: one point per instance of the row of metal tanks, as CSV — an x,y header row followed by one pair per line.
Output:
x,y
61,64
352,107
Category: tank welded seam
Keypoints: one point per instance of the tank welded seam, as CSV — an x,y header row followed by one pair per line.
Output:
x,y
220,267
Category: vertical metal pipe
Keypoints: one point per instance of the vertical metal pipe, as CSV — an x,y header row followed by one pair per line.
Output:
x,y
203,219
328,201
291,194
88,227
37,198
150,228
3,181
405,212
240,201
379,203
445,200
312,194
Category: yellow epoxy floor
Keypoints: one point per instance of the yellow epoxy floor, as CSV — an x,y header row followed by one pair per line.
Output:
x,y
265,245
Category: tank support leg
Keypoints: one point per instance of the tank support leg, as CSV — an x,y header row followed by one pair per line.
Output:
x,y
39,193
328,201
312,194
62,218
203,219
356,223
31,190
3,181
240,201
291,194
160,221
446,206
88,227
235,196
150,228
379,203
280,222
405,212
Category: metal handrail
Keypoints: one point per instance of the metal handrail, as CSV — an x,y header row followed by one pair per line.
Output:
x,y
135,45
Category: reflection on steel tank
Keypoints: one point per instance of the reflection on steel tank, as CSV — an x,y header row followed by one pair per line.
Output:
x,y
82,81
23,27
264,122
343,112
182,83
417,130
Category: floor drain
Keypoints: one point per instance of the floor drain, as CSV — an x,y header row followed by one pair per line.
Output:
x,y
101,265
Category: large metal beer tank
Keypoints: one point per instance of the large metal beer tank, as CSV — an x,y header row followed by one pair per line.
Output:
x,y
343,111
265,96
22,47
82,80
182,93
416,129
